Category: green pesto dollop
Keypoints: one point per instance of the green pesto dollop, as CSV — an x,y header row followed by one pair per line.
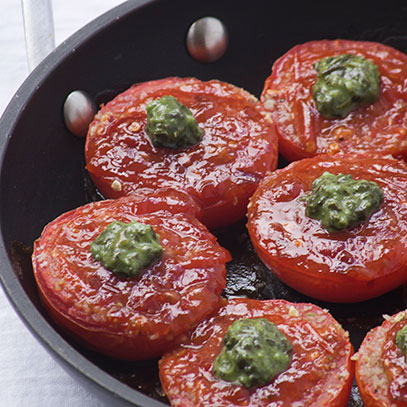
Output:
x,y
401,340
345,83
341,202
127,248
254,352
170,124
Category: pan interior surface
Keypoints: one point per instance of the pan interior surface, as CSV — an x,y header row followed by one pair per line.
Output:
x,y
42,164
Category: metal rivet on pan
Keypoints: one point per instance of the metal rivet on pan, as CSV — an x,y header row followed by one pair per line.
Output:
x,y
207,39
79,110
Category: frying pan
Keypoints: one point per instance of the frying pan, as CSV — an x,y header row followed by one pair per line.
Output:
x,y
42,166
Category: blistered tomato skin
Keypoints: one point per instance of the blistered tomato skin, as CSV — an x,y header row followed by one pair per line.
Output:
x,y
130,318
238,148
381,368
303,132
345,266
320,373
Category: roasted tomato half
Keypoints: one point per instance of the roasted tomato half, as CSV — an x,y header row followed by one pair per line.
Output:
x,y
320,372
239,146
303,132
381,368
349,265
130,317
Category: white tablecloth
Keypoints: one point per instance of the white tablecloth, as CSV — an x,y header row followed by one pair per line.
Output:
x,y
29,377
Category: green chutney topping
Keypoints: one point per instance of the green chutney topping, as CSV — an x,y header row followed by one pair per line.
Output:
x,y
254,352
401,340
340,202
127,248
345,83
170,124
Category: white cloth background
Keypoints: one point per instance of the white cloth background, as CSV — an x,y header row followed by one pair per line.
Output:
x,y
29,377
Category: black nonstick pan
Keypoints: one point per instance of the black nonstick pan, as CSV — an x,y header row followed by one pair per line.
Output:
x,y
42,165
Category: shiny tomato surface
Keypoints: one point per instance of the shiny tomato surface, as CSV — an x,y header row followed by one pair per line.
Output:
x,y
123,317
351,265
238,149
380,127
381,368
320,373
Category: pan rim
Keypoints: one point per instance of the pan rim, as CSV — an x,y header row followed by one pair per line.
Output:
x,y
72,360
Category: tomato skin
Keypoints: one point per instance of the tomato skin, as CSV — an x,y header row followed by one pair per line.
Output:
x,y
352,265
381,369
238,149
130,318
303,132
320,374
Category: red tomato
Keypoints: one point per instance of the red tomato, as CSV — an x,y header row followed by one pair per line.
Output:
x,y
381,368
221,172
320,373
303,132
352,265
130,318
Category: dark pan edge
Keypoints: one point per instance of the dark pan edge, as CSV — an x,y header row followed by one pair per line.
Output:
x,y
101,383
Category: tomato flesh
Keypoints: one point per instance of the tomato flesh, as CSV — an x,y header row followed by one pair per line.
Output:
x,y
130,318
238,149
303,132
320,373
352,265
380,366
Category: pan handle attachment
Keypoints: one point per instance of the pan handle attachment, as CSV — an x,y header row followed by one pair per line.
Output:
x,y
39,30
78,107
79,110
207,39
